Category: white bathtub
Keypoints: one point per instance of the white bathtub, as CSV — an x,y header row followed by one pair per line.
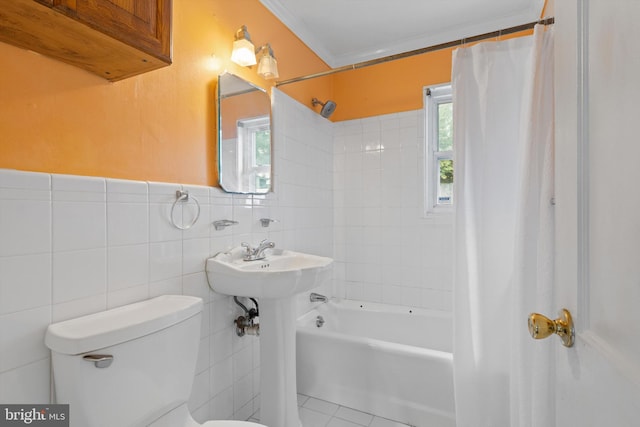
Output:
x,y
385,360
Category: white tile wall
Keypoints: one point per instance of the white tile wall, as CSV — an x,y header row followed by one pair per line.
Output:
x,y
30,286
79,274
303,182
385,249
79,213
25,227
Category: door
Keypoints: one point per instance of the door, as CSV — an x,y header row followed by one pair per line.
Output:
x,y
598,210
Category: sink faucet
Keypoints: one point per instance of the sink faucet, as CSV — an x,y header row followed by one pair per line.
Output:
x,y
254,254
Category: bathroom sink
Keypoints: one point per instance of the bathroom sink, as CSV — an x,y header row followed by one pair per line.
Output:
x,y
280,274
274,280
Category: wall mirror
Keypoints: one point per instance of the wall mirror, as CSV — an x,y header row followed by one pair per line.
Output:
x,y
244,136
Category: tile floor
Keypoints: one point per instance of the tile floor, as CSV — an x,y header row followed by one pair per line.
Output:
x,y
320,413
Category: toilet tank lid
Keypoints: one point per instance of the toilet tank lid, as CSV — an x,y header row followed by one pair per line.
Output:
x,y
118,325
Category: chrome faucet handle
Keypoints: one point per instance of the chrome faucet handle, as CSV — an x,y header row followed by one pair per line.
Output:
x,y
257,253
265,244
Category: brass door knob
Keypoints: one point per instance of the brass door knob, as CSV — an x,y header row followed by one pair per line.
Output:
x,y
541,327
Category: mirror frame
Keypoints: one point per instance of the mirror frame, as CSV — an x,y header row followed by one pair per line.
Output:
x,y
220,95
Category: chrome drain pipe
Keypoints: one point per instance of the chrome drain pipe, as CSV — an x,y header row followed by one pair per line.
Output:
x,y
247,324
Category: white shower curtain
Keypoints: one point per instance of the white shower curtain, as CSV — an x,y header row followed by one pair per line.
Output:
x,y
503,130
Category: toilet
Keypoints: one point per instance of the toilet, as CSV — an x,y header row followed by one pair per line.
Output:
x,y
131,366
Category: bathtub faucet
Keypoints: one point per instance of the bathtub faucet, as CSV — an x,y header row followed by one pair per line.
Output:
x,y
254,254
317,297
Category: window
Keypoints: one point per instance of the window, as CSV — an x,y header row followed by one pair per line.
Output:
x,y
439,153
254,143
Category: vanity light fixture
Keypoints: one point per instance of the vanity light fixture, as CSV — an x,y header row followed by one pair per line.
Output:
x,y
267,63
243,52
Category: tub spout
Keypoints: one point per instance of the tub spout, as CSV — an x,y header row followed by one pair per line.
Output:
x,y
317,297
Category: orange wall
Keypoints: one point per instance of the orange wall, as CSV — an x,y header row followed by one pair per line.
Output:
x,y
160,126
389,87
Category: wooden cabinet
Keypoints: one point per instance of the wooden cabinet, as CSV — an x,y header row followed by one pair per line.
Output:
x,y
115,39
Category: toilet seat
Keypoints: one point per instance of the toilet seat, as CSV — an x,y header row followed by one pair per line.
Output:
x,y
231,424
180,417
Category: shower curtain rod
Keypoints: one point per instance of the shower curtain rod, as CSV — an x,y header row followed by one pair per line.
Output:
x,y
459,42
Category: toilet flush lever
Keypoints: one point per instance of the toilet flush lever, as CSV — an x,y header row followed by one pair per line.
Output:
x,y
99,360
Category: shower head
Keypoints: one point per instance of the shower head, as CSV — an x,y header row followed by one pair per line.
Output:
x,y
327,107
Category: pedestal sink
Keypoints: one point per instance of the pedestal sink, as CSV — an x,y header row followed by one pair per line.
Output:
x,y
274,280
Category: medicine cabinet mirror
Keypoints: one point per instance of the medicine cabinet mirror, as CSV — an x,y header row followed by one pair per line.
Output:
x,y
244,136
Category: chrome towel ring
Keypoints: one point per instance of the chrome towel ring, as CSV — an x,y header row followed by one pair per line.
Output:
x,y
183,196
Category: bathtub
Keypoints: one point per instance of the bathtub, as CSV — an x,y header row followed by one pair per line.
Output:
x,y
390,361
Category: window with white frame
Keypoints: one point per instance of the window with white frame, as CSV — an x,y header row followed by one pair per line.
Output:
x,y
254,153
439,148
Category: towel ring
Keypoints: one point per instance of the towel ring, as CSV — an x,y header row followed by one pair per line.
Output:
x,y
183,196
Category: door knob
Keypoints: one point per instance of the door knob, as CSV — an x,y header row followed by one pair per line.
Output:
x,y
541,327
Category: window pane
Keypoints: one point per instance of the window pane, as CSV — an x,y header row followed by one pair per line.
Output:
x,y
263,148
445,183
263,181
445,126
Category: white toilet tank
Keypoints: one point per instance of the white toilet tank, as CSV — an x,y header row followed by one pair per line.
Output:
x,y
127,366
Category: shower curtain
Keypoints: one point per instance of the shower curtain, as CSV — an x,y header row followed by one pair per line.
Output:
x,y
504,230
